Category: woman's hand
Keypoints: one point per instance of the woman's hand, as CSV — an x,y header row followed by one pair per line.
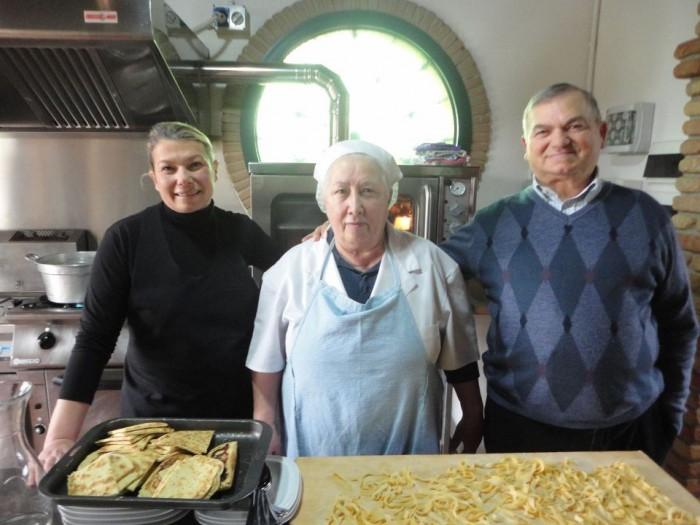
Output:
x,y
54,450
34,472
470,428
466,434
275,442
266,391
66,421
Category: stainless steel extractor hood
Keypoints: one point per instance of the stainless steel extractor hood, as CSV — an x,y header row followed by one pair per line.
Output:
x,y
85,65
107,65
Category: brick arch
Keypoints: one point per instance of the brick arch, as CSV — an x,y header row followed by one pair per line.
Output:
x,y
294,15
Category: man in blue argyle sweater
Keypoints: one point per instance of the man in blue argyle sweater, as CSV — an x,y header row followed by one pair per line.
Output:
x,y
593,330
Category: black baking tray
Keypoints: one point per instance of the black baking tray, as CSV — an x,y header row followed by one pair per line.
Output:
x,y
253,439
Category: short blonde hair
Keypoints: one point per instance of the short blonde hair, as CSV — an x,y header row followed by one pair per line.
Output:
x,y
174,130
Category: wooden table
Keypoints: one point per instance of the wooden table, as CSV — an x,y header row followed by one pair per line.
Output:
x,y
320,488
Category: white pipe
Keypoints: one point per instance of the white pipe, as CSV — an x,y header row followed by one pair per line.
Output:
x,y
593,46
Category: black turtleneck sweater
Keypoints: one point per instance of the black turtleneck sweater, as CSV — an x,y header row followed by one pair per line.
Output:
x,y
182,283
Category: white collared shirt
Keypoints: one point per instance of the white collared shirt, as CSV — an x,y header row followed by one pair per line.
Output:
x,y
573,204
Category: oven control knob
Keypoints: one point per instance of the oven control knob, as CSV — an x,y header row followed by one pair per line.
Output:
x,y
458,188
39,429
46,339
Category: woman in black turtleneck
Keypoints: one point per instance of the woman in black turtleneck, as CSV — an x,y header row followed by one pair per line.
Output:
x,y
177,272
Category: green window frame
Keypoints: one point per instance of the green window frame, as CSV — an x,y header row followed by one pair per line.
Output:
x,y
372,20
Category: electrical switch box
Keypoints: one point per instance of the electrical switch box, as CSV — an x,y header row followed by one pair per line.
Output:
x,y
629,128
231,17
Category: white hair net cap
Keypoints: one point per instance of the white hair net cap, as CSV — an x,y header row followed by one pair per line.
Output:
x,y
389,171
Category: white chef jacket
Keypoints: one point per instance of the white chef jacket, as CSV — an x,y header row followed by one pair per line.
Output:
x,y
431,280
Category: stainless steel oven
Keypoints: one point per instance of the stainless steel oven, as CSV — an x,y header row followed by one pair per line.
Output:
x,y
433,200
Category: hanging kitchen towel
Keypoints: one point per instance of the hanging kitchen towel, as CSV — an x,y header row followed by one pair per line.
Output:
x,y
441,153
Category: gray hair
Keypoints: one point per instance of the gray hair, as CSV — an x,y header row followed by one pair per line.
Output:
x,y
178,131
557,90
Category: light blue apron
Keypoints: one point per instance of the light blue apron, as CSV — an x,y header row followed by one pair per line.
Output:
x,y
358,380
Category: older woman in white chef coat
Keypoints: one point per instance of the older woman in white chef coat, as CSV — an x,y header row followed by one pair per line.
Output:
x,y
354,330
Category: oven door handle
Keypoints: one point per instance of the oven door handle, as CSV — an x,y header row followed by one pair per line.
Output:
x,y
473,186
111,380
426,212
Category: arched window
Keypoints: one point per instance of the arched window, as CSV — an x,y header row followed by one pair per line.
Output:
x,y
403,90
409,77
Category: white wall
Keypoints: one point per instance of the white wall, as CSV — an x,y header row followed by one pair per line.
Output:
x,y
519,47
634,63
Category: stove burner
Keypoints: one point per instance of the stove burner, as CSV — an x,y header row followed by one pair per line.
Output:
x,y
43,303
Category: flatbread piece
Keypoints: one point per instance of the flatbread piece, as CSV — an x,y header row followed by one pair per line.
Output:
x,y
194,441
227,453
190,478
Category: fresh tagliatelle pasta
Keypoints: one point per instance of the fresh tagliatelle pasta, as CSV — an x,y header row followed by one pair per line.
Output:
x,y
513,490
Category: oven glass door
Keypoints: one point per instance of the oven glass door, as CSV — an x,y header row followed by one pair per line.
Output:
x,y
292,216
417,208
285,206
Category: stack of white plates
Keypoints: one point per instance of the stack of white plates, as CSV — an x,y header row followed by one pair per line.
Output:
x,y
285,489
284,496
72,515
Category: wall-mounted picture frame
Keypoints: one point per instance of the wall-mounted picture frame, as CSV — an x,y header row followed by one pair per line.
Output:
x,y
629,128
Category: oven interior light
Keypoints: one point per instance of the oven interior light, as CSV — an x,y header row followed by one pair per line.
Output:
x,y
401,213
403,222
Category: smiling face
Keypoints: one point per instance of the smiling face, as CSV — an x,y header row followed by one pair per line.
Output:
x,y
563,140
357,203
182,175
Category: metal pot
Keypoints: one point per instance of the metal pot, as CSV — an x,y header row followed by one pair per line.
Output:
x,y
65,275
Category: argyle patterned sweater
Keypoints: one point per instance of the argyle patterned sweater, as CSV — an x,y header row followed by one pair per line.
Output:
x,y
592,314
